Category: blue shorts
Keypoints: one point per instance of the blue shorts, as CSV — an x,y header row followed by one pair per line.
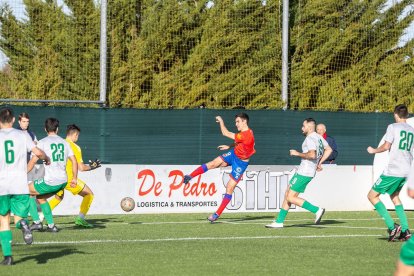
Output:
x,y
237,166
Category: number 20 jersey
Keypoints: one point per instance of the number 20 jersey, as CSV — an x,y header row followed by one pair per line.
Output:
x,y
401,135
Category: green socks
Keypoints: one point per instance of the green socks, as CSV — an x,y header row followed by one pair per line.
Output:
x,y
33,209
311,208
399,209
382,211
282,215
47,212
6,242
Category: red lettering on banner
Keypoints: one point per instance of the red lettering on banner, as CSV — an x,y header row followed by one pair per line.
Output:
x,y
146,189
194,189
174,185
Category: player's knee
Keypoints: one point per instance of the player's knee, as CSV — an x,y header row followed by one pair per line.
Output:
x,y
290,198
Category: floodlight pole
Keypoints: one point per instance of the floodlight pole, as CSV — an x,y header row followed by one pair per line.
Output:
x,y
285,54
103,51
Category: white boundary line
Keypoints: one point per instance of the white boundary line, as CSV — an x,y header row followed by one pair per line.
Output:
x,y
204,239
239,221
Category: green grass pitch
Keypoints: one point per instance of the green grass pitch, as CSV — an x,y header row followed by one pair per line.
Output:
x,y
345,243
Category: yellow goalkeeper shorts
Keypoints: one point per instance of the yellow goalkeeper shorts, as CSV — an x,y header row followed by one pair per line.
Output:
x,y
79,187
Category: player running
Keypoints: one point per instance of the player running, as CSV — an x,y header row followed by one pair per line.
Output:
x,y
14,192
399,141
72,136
315,150
238,158
55,177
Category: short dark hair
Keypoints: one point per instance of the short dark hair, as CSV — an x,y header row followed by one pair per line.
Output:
x,y
243,116
6,115
309,120
23,115
51,125
402,111
71,129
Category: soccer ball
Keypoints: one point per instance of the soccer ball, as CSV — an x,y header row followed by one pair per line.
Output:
x,y
127,204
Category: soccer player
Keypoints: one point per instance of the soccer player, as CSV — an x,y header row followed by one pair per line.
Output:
x,y
405,265
55,177
72,136
315,150
23,121
399,141
14,192
238,157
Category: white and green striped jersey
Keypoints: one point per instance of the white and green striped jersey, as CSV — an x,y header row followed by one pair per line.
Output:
x,y
14,146
401,136
313,141
58,151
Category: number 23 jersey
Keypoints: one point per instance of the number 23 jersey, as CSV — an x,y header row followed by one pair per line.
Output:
x,y
58,151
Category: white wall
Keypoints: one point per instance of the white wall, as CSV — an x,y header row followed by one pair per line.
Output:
x,y
336,188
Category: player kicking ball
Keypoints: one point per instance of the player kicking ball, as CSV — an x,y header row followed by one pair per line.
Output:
x,y
237,157
315,150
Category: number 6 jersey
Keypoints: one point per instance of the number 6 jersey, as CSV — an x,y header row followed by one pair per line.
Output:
x,y
58,151
401,136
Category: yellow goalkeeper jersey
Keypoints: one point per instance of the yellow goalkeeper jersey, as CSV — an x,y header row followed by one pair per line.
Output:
x,y
78,154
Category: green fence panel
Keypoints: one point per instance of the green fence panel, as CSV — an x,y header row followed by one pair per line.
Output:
x,y
134,136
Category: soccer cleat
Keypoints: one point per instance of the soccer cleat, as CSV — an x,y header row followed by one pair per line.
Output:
x,y
275,225
36,226
27,233
319,215
394,233
187,178
406,235
52,229
82,222
8,260
213,217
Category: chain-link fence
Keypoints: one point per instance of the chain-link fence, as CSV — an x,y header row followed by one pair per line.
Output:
x,y
343,55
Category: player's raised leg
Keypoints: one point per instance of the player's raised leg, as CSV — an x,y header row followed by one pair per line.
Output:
x,y
216,163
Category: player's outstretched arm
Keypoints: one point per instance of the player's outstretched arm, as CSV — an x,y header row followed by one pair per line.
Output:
x,y
384,147
224,129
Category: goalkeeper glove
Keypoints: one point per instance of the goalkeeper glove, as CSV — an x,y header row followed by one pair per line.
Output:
x,y
94,164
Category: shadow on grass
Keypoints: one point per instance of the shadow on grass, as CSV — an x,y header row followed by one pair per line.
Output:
x,y
246,218
321,224
44,257
98,223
